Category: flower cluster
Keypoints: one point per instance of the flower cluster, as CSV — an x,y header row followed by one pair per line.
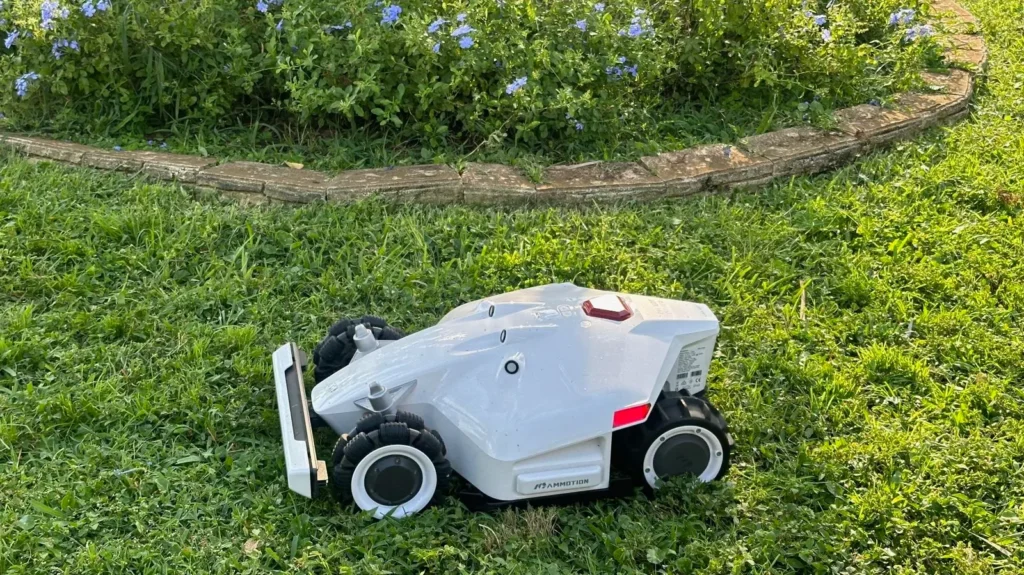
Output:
x,y
12,37
436,25
60,45
638,25
463,33
575,123
338,27
389,15
90,8
819,19
23,82
903,16
50,11
920,31
616,72
515,86
264,5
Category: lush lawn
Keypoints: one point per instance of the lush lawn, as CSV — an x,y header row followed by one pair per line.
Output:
x,y
870,364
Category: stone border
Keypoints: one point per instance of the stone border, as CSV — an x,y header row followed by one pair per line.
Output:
x,y
755,161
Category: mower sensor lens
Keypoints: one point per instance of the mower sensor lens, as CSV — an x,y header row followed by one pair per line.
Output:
x,y
511,367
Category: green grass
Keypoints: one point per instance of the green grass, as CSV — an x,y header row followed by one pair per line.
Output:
x,y
870,365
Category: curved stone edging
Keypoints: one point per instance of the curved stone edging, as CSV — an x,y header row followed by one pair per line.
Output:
x,y
755,161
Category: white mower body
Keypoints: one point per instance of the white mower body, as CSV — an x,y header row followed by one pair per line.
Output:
x,y
526,388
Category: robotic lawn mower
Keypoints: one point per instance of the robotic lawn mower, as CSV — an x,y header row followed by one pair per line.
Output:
x,y
535,393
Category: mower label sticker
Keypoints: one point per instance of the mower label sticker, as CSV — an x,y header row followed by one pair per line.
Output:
x,y
687,373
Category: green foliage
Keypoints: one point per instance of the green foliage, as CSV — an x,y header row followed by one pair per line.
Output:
x,y
338,65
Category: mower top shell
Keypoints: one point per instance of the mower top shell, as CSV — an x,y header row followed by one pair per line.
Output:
x,y
531,371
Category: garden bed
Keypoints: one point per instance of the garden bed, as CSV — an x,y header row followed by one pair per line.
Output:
x,y
400,82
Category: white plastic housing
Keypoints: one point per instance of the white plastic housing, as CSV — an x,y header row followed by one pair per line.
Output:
x,y
523,386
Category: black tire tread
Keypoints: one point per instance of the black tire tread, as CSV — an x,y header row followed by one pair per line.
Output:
x,y
337,349
394,433
370,422
411,419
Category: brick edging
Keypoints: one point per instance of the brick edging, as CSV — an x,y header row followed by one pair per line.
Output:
x,y
755,161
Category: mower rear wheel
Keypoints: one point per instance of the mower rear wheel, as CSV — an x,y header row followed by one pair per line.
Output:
x,y
683,435
392,470
336,350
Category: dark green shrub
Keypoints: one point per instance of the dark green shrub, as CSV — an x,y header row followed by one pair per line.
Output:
x,y
538,72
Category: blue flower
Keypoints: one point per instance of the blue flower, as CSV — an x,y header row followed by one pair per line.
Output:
x,y
50,11
436,25
461,17
338,28
466,42
904,16
874,102
280,25
23,82
59,45
582,25
613,71
437,48
599,7
12,37
579,126
389,15
163,145
117,148
103,5
631,70
464,29
921,31
149,142
89,9
262,6
819,19
636,25
516,85
826,35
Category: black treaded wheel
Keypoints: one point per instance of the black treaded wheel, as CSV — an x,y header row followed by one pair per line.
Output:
x,y
335,351
683,435
390,469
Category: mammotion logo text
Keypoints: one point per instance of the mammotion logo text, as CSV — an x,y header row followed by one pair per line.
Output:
x,y
545,485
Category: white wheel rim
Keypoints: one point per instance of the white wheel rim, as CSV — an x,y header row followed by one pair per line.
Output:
x,y
715,461
418,501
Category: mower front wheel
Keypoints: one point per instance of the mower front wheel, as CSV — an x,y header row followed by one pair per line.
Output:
x,y
393,470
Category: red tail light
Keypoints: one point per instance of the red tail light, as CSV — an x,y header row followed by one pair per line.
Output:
x,y
629,415
608,306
